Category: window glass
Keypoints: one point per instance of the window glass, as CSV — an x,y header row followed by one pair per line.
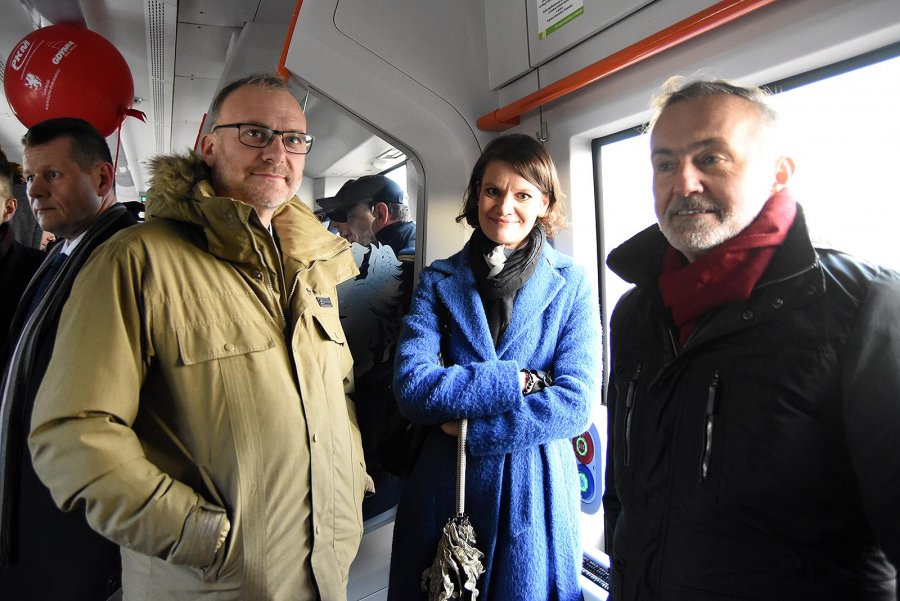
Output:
x,y
398,174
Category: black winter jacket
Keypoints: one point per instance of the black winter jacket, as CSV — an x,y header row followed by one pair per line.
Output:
x,y
762,459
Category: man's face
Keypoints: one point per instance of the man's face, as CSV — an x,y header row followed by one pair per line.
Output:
x,y
342,229
65,199
712,172
359,224
265,178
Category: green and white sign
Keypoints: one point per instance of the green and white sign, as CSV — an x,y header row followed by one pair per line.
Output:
x,y
553,14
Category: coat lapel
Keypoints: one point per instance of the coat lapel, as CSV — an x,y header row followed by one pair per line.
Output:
x,y
531,302
460,295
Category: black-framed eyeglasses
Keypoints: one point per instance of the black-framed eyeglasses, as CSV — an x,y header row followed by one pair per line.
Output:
x,y
259,136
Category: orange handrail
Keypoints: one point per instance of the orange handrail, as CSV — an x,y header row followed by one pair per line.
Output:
x,y
687,29
200,132
283,71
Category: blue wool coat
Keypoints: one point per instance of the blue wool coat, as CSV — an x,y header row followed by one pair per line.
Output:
x,y
522,488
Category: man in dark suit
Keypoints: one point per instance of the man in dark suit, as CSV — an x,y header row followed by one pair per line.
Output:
x,y
44,553
17,261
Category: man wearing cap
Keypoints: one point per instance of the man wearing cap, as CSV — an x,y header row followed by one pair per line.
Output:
x,y
372,212
373,208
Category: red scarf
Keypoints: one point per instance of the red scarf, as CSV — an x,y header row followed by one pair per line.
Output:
x,y
728,272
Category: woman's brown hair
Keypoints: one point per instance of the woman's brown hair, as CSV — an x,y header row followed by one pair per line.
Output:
x,y
530,160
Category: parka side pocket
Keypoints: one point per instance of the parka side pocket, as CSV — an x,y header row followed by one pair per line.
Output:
x,y
329,328
199,545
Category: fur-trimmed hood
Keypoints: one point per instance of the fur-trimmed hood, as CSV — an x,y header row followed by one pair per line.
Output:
x,y
173,179
181,190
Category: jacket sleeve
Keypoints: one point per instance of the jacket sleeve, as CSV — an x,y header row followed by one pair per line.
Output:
x,y
429,393
871,409
611,503
562,410
82,442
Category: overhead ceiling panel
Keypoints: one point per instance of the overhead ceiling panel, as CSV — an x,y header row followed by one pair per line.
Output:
x,y
275,11
202,49
221,13
58,11
192,98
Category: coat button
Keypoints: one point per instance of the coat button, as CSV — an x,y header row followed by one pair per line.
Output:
x,y
748,314
318,529
810,290
229,347
258,275
777,303
315,437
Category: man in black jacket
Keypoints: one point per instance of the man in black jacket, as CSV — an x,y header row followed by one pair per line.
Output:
x,y
754,415
373,212
373,208
44,553
17,261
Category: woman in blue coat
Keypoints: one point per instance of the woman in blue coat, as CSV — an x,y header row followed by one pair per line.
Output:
x,y
515,323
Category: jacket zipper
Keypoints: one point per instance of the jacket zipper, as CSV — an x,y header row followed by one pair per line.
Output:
x,y
712,394
629,408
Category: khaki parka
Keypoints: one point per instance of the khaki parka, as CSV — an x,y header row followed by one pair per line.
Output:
x,y
198,393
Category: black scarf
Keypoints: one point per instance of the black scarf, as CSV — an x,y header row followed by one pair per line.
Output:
x,y
498,293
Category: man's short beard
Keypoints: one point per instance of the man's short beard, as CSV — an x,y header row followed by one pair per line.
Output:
x,y
705,236
699,241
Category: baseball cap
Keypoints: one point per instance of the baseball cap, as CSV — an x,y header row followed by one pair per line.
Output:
x,y
367,189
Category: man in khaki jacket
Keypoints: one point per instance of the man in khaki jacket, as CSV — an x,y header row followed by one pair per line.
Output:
x,y
196,402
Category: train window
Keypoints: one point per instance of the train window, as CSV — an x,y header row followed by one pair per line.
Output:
x,y
399,175
839,124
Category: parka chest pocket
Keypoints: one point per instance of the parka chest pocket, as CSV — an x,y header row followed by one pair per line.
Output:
x,y
328,326
206,342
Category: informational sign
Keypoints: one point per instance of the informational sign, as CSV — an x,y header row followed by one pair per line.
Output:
x,y
553,14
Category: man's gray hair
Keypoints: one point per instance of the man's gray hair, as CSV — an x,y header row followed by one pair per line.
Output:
x,y
398,211
264,80
678,88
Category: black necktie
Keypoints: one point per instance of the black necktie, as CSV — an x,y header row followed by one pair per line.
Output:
x,y
44,283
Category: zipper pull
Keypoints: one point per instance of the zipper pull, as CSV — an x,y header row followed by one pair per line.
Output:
x,y
629,404
712,394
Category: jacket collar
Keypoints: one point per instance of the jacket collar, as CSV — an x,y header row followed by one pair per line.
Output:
x,y
182,191
400,235
795,269
459,292
796,255
639,259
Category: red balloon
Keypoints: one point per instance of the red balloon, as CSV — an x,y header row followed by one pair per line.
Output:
x,y
68,71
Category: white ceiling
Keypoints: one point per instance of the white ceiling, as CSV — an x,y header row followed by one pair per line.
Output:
x,y
177,51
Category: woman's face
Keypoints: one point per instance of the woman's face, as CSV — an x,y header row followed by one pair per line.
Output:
x,y
508,204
